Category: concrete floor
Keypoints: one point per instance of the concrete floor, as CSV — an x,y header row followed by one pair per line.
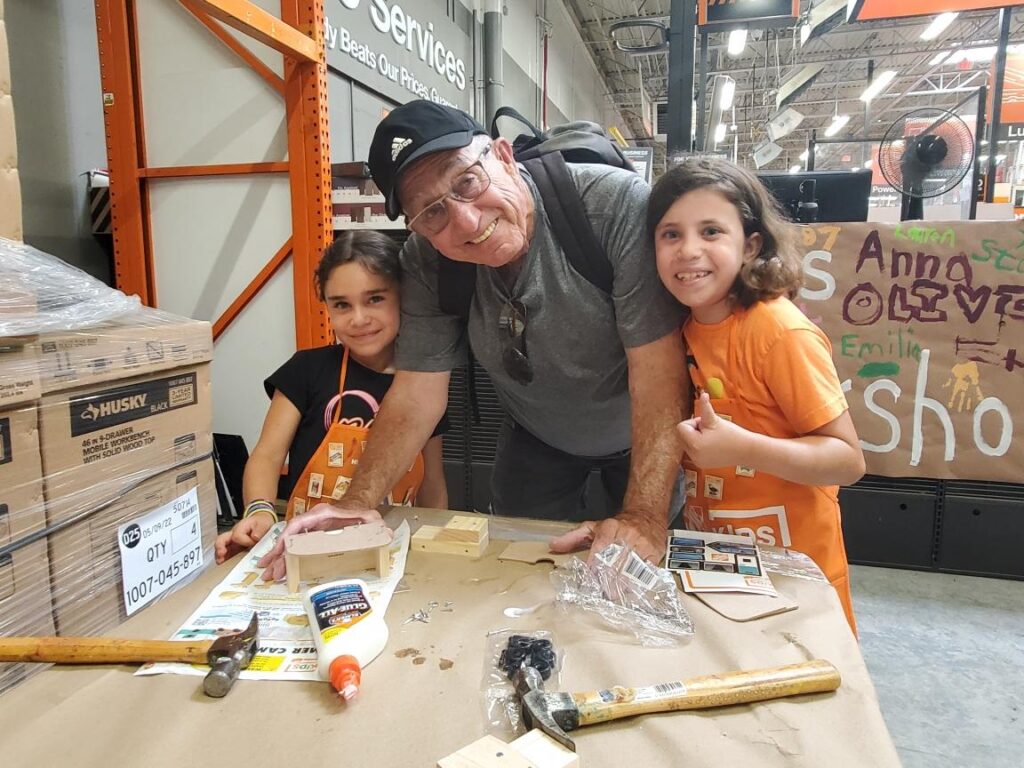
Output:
x,y
946,654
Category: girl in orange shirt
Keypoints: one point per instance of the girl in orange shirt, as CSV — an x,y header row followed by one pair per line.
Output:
x,y
771,438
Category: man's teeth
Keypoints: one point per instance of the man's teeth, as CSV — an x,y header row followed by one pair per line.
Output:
x,y
687,277
486,233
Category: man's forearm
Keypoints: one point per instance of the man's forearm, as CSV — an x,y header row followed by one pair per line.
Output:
x,y
659,387
408,416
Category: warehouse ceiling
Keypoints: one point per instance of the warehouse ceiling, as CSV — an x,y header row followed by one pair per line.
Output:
x,y
772,56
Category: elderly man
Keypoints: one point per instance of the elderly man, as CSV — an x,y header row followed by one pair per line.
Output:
x,y
590,381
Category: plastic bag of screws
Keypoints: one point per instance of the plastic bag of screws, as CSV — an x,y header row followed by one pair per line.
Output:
x,y
507,651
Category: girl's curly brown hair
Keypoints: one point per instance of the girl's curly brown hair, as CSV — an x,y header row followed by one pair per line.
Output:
x,y
777,269
374,251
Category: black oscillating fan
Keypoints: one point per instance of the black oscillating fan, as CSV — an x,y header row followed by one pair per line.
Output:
x,y
925,153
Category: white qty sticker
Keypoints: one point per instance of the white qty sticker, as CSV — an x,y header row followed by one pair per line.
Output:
x,y
159,550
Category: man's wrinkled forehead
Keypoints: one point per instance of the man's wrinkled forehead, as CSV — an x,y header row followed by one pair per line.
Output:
x,y
430,177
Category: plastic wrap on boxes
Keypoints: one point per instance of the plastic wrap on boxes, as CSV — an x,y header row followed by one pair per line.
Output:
x,y
60,297
107,496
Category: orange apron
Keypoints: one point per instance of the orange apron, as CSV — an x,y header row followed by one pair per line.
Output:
x,y
330,470
772,511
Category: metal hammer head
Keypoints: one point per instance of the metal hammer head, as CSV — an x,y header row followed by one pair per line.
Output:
x,y
229,655
553,713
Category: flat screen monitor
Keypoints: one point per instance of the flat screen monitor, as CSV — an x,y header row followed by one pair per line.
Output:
x,y
837,195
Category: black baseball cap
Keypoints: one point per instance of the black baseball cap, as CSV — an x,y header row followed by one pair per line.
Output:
x,y
408,133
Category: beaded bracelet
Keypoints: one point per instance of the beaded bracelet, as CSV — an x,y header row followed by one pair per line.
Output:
x,y
260,505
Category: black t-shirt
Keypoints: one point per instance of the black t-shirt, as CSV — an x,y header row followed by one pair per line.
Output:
x,y
310,380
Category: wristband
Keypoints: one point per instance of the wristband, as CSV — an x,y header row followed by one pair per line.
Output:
x,y
260,505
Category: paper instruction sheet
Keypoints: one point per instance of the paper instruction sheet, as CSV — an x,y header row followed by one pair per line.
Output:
x,y
285,649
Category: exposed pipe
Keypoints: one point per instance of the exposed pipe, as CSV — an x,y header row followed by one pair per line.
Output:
x,y
544,86
493,52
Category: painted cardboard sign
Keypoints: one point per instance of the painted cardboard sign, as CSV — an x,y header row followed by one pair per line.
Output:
x,y
926,321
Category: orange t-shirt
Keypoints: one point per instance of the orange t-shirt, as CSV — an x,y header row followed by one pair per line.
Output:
x,y
769,369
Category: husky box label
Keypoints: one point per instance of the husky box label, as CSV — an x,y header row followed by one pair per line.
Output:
x,y
119,405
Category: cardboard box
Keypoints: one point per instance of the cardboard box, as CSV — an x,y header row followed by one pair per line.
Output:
x,y
135,344
86,579
19,373
25,605
100,442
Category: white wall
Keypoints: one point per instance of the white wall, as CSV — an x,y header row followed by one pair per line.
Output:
x,y
575,86
55,76
203,105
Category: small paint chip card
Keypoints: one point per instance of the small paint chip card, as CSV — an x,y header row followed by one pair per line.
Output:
x,y
716,562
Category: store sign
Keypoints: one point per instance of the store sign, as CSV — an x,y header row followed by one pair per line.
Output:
x,y
757,13
400,52
869,10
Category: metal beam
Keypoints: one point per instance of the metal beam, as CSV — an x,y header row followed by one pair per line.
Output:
x,y
252,20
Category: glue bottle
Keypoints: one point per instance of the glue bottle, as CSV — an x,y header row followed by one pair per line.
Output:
x,y
349,633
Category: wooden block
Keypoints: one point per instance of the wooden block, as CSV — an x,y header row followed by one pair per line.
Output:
x,y
347,551
461,535
544,752
534,750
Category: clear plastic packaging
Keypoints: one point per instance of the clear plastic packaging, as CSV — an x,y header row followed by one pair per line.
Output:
x,y
40,293
101,426
789,562
627,592
507,651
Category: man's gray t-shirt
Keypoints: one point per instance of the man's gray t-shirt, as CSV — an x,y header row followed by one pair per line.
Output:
x,y
575,335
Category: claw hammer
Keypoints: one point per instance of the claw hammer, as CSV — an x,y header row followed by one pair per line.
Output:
x,y
556,713
227,655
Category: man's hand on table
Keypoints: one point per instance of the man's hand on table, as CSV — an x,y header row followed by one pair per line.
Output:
x,y
639,531
322,517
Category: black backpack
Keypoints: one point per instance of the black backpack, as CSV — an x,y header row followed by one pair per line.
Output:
x,y
545,156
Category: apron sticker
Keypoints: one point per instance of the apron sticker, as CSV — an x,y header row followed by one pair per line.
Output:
x,y
691,482
713,487
336,454
340,486
316,485
742,471
300,505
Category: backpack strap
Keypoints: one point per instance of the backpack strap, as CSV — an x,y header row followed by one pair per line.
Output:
x,y
516,115
568,219
456,283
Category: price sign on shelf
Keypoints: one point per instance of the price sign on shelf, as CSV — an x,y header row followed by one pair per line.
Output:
x,y
160,549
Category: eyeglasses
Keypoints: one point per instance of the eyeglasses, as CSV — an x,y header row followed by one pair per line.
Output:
x,y
513,322
466,188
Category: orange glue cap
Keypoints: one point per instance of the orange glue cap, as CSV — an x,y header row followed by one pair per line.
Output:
x,y
345,676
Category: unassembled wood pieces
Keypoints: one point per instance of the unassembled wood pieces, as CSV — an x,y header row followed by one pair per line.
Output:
x,y
344,552
534,750
462,535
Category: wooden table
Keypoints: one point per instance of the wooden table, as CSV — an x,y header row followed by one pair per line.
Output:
x,y
421,699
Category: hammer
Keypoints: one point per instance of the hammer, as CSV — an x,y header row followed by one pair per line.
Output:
x,y
227,655
556,713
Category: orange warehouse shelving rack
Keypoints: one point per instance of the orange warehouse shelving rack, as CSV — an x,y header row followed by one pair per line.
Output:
x,y
299,36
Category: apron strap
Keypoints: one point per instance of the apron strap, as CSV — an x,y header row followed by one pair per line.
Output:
x,y
332,416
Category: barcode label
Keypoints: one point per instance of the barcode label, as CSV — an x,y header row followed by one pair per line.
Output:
x,y
659,691
640,571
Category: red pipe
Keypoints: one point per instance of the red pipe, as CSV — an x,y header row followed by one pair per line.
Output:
x,y
544,87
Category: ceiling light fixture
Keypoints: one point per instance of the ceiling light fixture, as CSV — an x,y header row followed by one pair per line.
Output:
x,y
719,133
938,25
939,58
837,125
728,90
878,85
737,42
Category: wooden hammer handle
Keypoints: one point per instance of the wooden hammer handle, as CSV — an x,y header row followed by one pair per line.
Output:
x,y
742,687
101,650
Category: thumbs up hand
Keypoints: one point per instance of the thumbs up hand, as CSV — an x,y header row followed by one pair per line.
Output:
x,y
711,441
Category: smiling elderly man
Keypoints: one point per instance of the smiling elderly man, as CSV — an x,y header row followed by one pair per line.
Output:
x,y
589,381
